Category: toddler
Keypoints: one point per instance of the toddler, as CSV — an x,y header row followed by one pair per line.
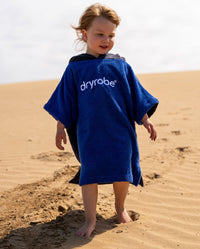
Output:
x,y
99,99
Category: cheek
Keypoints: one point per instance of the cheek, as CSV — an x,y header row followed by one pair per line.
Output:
x,y
92,40
112,42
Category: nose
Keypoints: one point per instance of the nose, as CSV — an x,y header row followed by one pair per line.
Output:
x,y
105,38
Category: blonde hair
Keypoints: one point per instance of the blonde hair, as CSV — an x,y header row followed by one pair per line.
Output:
x,y
95,10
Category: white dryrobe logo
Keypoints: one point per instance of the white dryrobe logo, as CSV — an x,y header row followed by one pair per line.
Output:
x,y
91,84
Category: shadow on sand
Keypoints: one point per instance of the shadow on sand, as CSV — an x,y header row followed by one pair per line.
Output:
x,y
58,233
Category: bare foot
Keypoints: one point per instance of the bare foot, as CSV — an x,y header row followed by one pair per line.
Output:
x,y
86,230
123,216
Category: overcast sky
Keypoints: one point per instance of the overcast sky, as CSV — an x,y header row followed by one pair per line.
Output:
x,y
36,40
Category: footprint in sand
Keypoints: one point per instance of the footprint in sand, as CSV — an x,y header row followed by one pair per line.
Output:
x,y
133,215
53,156
162,124
153,176
176,132
183,149
164,139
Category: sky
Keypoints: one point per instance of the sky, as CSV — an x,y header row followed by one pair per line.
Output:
x,y
37,41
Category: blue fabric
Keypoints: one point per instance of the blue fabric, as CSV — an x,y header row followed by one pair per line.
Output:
x,y
104,99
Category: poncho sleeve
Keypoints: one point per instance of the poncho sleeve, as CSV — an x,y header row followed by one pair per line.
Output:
x,y
143,101
62,105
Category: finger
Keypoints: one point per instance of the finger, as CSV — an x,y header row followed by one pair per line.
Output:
x,y
153,135
151,131
59,143
60,147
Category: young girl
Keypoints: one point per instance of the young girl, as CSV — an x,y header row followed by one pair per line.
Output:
x,y
98,101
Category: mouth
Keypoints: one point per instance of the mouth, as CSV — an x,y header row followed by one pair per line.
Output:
x,y
104,47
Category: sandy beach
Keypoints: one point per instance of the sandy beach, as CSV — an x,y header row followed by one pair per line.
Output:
x,y
39,209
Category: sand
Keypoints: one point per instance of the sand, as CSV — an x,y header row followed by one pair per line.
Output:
x,y
40,209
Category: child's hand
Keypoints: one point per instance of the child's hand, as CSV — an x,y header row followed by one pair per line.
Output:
x,y
150,127
60,136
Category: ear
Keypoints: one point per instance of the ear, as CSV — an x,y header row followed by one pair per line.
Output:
x,y
84,35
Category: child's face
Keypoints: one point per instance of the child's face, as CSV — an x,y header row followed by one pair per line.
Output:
x,y
100,36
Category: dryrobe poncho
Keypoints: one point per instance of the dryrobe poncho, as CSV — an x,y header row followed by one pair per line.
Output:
x,y
99,100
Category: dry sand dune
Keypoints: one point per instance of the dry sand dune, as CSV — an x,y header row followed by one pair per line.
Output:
x,y
40,209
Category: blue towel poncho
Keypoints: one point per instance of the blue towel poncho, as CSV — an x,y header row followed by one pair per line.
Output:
x,y
102,99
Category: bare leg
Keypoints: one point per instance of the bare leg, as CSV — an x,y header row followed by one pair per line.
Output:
x,y
121,191
89,193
